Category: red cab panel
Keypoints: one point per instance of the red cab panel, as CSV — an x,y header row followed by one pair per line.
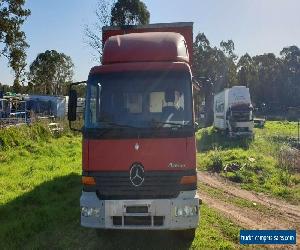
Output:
x,y
153,154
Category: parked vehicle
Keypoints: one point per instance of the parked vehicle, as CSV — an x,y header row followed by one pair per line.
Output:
x,y
233,111
55,128
4,108
259,122
46,105
139,153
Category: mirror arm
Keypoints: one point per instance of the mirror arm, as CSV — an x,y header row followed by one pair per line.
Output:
x,y
75,83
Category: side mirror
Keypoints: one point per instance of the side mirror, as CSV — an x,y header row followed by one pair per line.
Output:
x,y
72,106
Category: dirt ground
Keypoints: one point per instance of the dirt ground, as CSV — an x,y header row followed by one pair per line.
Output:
x,y
266,212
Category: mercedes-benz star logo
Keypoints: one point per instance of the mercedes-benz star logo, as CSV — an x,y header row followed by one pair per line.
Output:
x,y
137,175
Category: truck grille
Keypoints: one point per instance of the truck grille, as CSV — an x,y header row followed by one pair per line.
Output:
x,y
138,220
156,185
137,209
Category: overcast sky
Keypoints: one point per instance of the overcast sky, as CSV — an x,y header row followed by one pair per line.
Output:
x,y
255,26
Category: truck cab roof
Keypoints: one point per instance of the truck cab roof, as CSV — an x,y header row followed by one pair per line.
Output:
x,y
145,47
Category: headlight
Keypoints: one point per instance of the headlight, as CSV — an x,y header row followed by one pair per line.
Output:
x,y
90,211
186,211
178,211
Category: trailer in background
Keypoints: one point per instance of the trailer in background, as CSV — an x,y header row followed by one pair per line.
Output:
x,y
233,111
13,111
4,108
45,105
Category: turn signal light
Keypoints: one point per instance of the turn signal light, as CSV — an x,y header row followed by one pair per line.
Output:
x,y
87,180
191,179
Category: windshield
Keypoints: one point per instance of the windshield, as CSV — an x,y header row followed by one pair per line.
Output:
x,y
140,100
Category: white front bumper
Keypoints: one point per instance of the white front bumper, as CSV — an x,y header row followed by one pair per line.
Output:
x,y
156,208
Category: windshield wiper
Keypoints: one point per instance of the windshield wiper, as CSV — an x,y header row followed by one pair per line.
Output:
x,y
117,125
174,125
112,125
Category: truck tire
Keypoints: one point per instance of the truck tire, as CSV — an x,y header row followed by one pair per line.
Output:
x,y
188,234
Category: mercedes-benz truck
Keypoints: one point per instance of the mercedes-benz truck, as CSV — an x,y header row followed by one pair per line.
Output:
x,y
139,153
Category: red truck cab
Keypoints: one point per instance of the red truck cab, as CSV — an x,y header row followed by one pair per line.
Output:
x,y
139,153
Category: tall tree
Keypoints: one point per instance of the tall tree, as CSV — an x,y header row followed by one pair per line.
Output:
x,y
228,49
12,17
230,68
213,63
93,34
129,12
112,12
50,72
247,73
209,63
269,80
291,72
272,80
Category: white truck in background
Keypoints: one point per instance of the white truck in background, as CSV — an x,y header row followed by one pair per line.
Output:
x,y
233,111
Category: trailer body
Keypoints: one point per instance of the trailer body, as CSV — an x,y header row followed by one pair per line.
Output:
x,y
233,111
47,105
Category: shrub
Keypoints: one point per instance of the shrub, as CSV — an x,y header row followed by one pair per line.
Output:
x,y
217,162
235,177
23,135
289,159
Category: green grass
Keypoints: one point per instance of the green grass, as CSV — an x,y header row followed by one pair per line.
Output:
x,y
258,159
23,136
39,202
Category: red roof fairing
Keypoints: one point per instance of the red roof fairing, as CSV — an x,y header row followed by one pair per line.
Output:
x,y
145,47
183,28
